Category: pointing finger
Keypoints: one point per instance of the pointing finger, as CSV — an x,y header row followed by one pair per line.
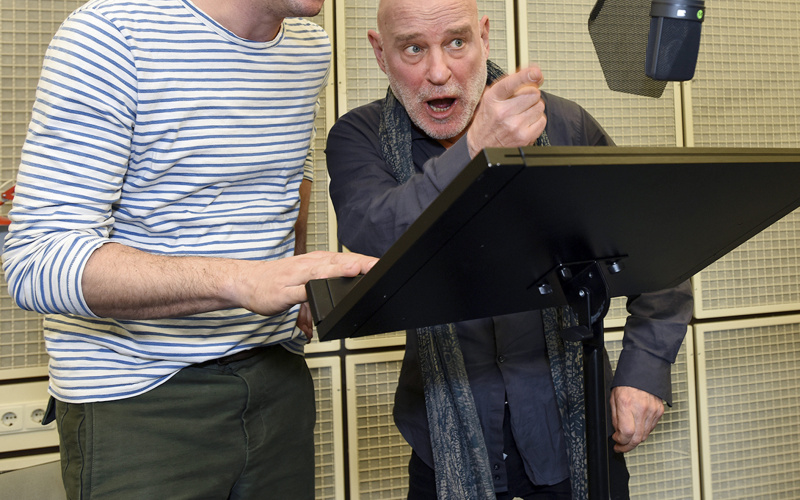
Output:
x,y
509,86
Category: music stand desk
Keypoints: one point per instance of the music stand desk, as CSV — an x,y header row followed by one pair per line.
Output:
x,y
529,228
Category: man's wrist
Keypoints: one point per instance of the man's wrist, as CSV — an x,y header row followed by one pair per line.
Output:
x,y
642,370
471,148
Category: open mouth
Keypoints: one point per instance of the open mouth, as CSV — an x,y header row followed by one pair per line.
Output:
x,y
441,105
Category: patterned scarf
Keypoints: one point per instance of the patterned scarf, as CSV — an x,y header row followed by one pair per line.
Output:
x,y
460,458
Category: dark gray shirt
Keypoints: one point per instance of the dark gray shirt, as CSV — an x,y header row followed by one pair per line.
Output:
x,y
505,356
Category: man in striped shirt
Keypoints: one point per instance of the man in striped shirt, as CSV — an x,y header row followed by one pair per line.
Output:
x,y
154,225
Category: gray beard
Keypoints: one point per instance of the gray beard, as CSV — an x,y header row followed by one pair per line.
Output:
x,y
470,97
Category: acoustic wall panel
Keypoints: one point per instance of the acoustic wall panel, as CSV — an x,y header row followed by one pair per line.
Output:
x,y
26,30
617,314
666,466
316,346
329,429
381,340
554,35
321,236
501,32
360,79
745,94
378,454
760,276
749,406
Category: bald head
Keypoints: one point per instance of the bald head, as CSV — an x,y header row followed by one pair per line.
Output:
x,y
391,12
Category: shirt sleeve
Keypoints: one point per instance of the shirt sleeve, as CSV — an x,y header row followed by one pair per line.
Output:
x,y
72,164
654,332
372,209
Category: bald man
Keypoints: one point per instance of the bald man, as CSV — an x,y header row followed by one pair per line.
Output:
x,y
388,160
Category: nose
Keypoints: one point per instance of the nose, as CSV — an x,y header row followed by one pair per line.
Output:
x,y
438,68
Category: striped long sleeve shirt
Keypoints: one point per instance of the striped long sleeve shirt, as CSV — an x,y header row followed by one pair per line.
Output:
x,y
157,128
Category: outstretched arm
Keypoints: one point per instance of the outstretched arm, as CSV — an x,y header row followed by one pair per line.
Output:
x,y
372,209
125,283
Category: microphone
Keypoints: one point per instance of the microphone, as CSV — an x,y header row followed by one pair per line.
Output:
x,y
674,39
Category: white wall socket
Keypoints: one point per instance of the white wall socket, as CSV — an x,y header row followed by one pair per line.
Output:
x,y
33,414
11,419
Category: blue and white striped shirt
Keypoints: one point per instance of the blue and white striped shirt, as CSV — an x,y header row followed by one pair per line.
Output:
x,y
157,128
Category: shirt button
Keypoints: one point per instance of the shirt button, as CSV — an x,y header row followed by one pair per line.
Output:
x,y
496,467
501,359
496,478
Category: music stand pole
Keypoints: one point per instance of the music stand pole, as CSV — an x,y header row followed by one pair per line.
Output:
x,y
586,291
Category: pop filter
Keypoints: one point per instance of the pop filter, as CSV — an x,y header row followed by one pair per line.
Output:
x,y
619,30
642,44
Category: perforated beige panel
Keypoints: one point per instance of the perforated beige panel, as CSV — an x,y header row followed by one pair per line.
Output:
x,y
745,90
501,32
319,226
666,465
329,430
380,340
378,453
749,397
617,313
317,346
361,80
745,94
558,40
761,275
25,32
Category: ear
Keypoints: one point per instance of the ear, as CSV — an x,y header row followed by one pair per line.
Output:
x,y
483,24
377,47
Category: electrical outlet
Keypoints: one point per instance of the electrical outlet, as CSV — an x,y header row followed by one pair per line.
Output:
x,y
33,414
11,419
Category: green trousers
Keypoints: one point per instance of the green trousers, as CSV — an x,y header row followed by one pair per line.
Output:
x,y
239,430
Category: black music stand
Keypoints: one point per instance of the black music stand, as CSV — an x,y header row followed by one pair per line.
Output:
x,y
524,229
